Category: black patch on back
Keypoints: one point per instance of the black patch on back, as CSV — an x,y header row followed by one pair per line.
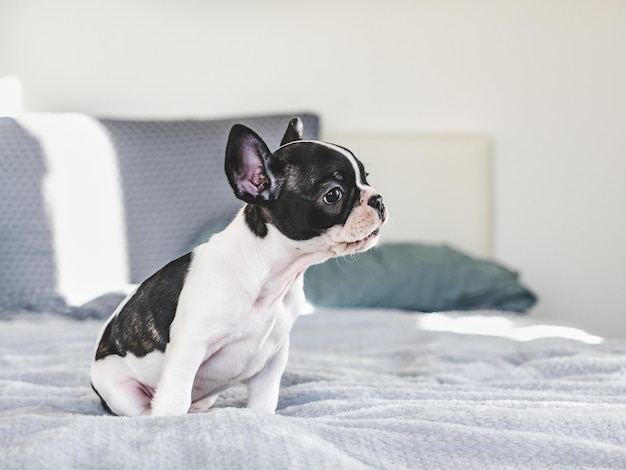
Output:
x,y
256,220
143,324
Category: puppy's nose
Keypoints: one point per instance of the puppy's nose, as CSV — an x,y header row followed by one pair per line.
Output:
x,y
377,203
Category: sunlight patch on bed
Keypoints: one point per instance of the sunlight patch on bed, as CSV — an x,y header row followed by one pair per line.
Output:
x,y
516,328
83,196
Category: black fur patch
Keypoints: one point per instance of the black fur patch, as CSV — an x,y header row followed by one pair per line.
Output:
x,y
143,324
308,171
256,220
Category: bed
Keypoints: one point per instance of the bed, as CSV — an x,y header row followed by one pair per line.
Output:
x,y
372,380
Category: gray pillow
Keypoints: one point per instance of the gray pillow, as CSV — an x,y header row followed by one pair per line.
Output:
x,y
171,177
424,278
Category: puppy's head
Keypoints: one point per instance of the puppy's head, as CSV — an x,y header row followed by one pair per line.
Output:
x,y
311,191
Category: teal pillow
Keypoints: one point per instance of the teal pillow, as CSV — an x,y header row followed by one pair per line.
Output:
x,y
209,229
425,278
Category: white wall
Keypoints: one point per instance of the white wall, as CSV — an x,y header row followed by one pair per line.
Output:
x,y
545,79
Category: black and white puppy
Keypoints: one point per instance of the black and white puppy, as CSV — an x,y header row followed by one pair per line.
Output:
x,y
221,315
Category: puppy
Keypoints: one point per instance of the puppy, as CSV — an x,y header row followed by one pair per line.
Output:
x,y
221,315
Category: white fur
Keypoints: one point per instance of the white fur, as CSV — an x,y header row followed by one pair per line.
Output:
x,y
239,301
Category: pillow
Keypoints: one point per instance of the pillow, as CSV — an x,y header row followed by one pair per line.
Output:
x,y
425,278
209,229
407,276
89,205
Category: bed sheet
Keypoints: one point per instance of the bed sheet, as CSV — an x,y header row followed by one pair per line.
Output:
x,y
363,389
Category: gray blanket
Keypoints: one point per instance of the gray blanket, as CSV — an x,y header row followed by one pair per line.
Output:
x,y
362,390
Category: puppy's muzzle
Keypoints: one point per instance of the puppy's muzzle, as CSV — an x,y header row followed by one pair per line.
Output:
x,y
377,203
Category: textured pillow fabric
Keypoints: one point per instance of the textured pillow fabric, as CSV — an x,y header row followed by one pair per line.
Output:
x,y
89,205
27,268
173,180
424,278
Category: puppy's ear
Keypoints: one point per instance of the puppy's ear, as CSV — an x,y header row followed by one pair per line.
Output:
x,y
294,131
247,167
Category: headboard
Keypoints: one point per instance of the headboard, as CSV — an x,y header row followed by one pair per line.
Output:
x,y
438,188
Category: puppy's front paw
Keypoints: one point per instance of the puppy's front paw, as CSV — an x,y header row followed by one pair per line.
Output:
x,y
160,408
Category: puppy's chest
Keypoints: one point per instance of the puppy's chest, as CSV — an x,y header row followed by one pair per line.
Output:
x,y
252,342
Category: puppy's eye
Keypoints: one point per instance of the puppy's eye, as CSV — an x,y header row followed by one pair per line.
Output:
x,y
333,196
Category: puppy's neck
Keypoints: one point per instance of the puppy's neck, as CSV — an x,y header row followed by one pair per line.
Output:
x,y
279,255
270,265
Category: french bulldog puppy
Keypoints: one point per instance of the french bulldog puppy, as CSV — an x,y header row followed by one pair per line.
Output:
x,y
221,315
